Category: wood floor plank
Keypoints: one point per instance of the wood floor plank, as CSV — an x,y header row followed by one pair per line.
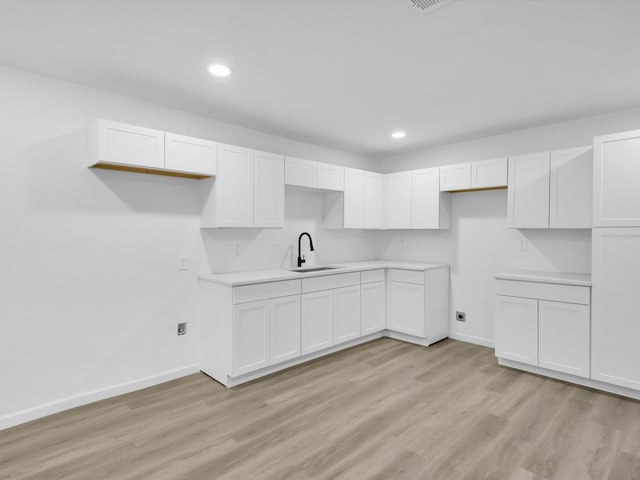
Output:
x,y
385,409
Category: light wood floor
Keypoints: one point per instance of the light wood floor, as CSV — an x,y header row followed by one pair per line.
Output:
x,y
383,410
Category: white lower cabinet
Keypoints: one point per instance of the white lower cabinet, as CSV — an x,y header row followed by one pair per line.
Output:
x,y
544,324
317,321
250,336
517,329
346,314
406,311
564,335
254,329
284,329
418,304
373,307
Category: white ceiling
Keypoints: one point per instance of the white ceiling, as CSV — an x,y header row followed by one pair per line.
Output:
x,y
344,73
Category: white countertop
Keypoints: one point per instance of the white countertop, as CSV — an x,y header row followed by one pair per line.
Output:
x,y
262,276
579,279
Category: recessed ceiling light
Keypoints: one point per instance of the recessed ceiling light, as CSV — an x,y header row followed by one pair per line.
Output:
x,y
220,70
398,134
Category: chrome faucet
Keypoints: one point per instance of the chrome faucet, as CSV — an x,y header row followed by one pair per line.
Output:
x,y
301,259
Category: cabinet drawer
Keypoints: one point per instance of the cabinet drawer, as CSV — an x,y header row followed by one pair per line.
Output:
x,y
370,276
328,282
544,291
407,276
263,291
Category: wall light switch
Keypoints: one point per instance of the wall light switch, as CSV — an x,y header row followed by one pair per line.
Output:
x,y
183,263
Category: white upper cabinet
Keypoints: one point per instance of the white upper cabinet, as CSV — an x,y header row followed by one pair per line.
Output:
x,y
127,145
248,191
300,173
550,189
489,173
374,200
455,177
234,199
429,209
616,180
268,190
118,146
188,154
310,174
399,200
329,177
571,188
353,198
528,194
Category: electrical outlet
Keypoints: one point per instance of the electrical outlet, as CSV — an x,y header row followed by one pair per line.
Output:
x,y
461,316
182,328
524,245
183,263
237,250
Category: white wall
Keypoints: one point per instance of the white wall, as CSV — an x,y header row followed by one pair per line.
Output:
x,y
91,292
479,245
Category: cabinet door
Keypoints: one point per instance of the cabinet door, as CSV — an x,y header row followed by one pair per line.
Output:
x,y
564,337
406,309
250,337
373,307
353,198
285,329
268,190
615,322
299,172
489,173
516,329
373,200
455,177
528,195
571,189
616,186
399,200
130,145
317,321
346,313
192,155
330,177
425,198
234,187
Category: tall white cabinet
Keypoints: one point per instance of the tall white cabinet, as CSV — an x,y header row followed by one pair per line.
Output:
x,y
616,260
616,306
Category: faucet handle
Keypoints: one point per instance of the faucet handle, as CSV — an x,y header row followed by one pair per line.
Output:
x,y
303,259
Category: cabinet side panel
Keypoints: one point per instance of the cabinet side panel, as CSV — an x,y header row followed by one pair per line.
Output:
x,y
216,315
436,308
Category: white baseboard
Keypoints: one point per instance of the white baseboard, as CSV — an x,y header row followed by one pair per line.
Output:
x,y
56,406
485,342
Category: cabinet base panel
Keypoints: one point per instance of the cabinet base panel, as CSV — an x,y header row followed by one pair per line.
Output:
x,y
229,381
425,342
585,382
151,171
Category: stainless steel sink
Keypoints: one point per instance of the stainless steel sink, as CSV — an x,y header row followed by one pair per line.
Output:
x,y
313,269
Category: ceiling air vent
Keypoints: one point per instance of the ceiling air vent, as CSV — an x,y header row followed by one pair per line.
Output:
x,y
427,6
